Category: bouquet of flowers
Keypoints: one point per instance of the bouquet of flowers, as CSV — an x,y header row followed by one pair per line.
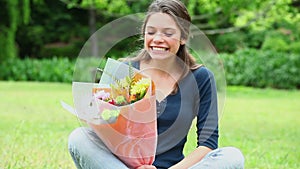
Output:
x,y
122,112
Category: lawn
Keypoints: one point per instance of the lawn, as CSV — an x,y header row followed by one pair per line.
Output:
x,y
34,128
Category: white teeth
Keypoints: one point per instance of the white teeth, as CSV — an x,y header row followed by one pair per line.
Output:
x,y
160,49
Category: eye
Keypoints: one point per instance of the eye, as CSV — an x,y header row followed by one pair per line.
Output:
x,y
150,33
168,34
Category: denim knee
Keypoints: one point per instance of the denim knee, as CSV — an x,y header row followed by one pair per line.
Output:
x,y
76,138
236,156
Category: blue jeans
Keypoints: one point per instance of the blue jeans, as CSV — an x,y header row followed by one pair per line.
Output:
x,y
89,152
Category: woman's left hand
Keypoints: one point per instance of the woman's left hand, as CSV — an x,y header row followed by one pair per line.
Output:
x,y
146,167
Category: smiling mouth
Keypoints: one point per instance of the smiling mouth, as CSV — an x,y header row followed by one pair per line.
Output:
x,y
159,49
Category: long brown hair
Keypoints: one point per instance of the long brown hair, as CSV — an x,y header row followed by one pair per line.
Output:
x,y
177,10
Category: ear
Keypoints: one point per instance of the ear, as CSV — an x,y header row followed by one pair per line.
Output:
x,y
182,41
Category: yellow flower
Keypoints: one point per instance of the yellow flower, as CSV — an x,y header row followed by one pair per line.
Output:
x,y
140,87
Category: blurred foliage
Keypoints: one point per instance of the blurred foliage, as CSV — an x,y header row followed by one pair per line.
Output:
x,y
52,24
251,67
43,29
28,69
230,25
230,42
13,14
246,67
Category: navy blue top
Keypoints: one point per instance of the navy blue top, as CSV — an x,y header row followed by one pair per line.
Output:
x,y
196,97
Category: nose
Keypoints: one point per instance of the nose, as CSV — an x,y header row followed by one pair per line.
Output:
x,y
158,37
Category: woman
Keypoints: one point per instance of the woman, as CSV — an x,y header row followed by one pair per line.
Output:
x,y
184,90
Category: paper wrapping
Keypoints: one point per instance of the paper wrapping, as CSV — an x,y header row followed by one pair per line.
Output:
x,y
131,136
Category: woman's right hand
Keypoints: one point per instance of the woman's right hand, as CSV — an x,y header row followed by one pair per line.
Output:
x,y
146,167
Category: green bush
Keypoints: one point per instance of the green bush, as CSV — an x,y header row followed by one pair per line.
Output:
x,y
258,68
230,42
247,67
294,47
284,39
70,51
255,39
276,41
51,70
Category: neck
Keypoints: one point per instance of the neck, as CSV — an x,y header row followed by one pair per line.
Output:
x,y
166,65
163,68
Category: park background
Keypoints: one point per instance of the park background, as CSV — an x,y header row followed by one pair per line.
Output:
x,y
257,41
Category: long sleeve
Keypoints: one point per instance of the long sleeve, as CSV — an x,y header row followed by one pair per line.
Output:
x,y
207,108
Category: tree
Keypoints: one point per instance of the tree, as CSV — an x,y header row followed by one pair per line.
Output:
x,y
53,30
13,14
104,7
223,16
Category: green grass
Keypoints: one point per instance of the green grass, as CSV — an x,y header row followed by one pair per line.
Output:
x,y
264,124
34,128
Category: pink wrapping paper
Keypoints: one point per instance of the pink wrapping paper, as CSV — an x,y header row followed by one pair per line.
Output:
x,y
133,135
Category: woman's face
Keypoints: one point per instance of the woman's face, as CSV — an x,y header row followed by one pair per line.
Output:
x,y
162,36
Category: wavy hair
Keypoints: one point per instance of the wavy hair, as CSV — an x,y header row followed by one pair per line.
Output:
x,y
178,11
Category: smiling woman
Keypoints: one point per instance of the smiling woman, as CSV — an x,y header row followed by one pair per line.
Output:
x,y
186,90
162,37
